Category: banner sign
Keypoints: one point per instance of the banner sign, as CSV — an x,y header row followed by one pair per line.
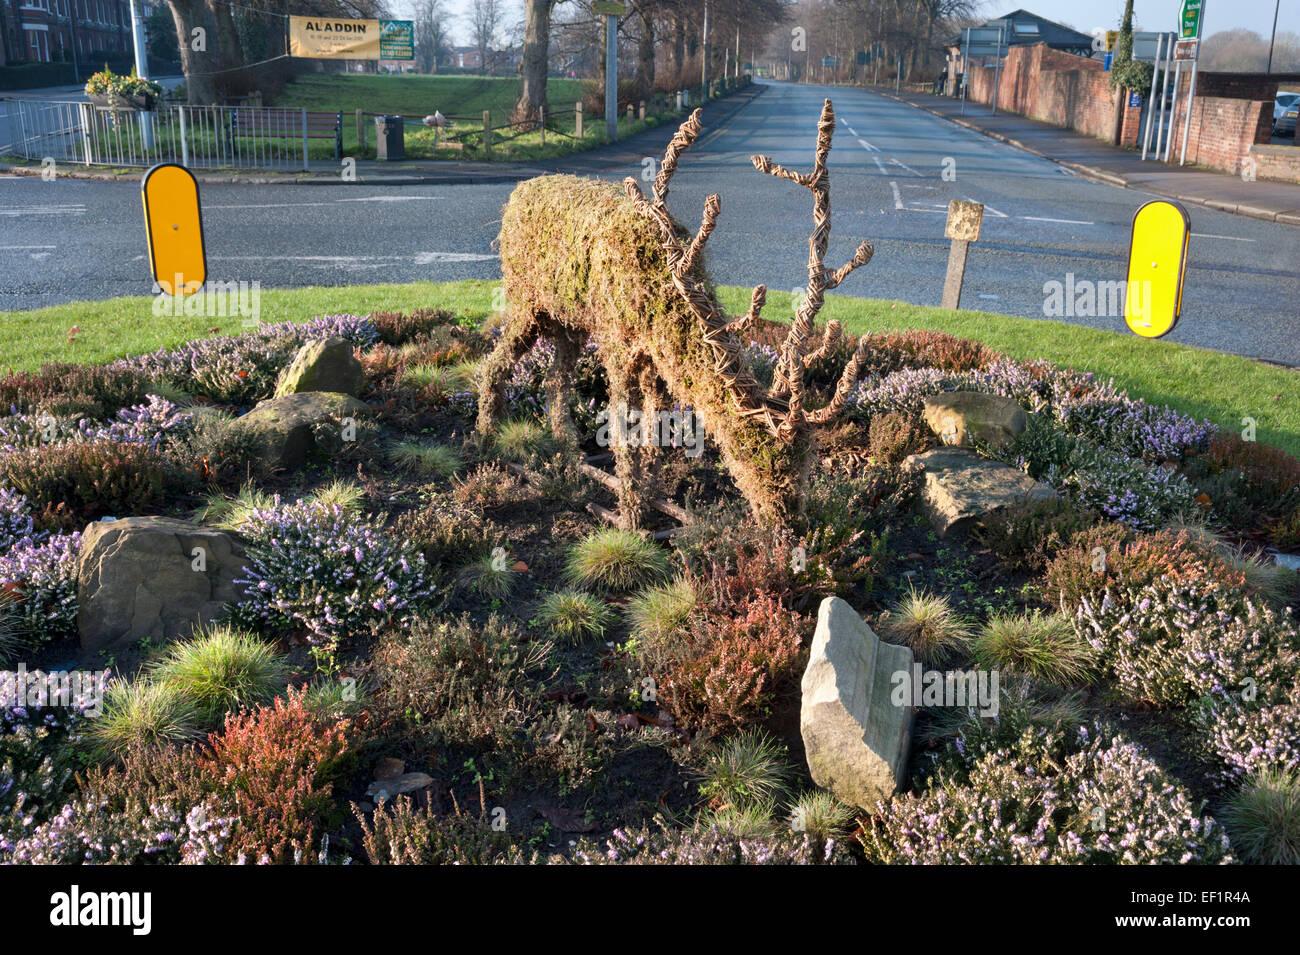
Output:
x,y
325,38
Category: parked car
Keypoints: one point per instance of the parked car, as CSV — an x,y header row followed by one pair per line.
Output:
x,y
1284,113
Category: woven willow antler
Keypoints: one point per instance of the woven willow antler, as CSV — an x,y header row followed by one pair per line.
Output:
x,y
796,352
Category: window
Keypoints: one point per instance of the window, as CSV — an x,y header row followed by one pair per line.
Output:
x,y
1024,29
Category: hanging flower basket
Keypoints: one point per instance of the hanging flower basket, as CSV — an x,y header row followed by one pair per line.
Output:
x,y
143,101
107,90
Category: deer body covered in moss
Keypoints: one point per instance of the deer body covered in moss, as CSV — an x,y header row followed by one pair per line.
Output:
x,y
581,257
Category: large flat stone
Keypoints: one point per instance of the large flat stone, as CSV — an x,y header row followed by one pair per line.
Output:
x,y
137,579
281,428
323,364
964,417
961,487
856,739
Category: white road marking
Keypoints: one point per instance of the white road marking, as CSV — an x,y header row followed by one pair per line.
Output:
x,y
427,258
390,199
907,167
362,262
50,210
293,205
24,248
1062,221
880,165
867,146
990,209
991,298
898,198
1207,235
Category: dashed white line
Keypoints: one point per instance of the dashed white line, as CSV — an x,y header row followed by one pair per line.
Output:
x,y
1061,221
867,146
898,197
1233,238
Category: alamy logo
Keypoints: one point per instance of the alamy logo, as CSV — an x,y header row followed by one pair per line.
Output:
x,y
1083,298
969,689
630,428
75,908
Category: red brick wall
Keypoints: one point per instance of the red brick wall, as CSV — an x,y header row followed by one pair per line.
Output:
x,y
1223,127
1054,87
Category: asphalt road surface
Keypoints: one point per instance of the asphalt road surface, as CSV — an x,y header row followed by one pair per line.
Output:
x,y
78,239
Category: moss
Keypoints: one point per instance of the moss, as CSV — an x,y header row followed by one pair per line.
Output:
x,y
578,259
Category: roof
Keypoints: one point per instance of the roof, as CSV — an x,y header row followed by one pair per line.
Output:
x,y
1029,28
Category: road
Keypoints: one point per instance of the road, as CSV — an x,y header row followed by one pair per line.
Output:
x,y
78,239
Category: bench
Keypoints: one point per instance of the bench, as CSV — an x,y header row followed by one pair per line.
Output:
x,y
253,124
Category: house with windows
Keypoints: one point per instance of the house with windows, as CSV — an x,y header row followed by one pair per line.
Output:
x,y
61,31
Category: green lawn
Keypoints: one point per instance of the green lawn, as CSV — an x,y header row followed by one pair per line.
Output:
x,y
1223,388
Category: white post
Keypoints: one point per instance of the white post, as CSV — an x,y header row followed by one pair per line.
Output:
x,y
611,77
997,71
1164,92
185,146
1173,109
1151,105
142,71
965,68
704,53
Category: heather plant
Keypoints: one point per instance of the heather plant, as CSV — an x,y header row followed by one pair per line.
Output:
x,y
1044,647
40,573
1052,797
615,560
398,328
893,436
15,519
1263,819
222,670
87,480
447,532
488,485
928,624
143,713
397,833
572,615
1173,643
278,766
38,749
1027,536
314,566
1244,736
709,844
457,681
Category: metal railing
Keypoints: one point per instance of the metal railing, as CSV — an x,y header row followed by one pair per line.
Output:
x,y
241,137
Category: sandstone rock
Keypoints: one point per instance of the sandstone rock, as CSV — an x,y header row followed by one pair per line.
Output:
x,y
400,786
855,738
960,487
281,428
140,577
962,417
325,364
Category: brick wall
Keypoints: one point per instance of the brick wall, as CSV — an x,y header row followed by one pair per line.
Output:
x,y
1223,127
1054,87
1279,163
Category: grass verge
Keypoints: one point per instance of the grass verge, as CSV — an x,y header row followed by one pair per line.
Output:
x,y
1223,388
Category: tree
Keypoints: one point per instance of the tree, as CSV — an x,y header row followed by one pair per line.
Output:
x,y
197,50
536,60
484,22
430,34
1125,72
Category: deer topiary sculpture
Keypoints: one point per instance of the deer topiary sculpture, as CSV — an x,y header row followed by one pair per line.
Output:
x,y
582,258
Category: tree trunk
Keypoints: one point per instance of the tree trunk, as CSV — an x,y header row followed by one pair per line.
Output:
x,y
537,38
679,48
645,64
198,65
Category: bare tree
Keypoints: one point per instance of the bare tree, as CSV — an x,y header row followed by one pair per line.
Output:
x,y
430,34
485,23
536,60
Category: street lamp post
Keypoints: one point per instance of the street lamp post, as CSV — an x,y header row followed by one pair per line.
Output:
x,y
1272,38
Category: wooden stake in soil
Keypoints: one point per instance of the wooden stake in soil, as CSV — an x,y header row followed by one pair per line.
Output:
x,y
964,219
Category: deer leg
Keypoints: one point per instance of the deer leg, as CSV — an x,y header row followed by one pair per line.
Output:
x,y
626,433
568,349
520,332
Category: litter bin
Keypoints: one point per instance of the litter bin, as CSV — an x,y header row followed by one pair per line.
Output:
x,y
390,141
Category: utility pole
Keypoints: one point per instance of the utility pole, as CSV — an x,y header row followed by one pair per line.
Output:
x,y
704,52
142,71
1273,38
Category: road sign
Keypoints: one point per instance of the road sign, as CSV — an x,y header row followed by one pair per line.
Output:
x,y
1134,99
1189,18
608,9
1186,49
173,225
1157,265
830,61
1112,37
1145,45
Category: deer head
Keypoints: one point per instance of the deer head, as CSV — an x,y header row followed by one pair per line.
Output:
x,y
780,407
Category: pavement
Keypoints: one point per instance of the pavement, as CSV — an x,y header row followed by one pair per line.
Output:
x,y
894,170
1088,156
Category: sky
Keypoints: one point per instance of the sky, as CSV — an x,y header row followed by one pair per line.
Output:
x,y
1083,15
